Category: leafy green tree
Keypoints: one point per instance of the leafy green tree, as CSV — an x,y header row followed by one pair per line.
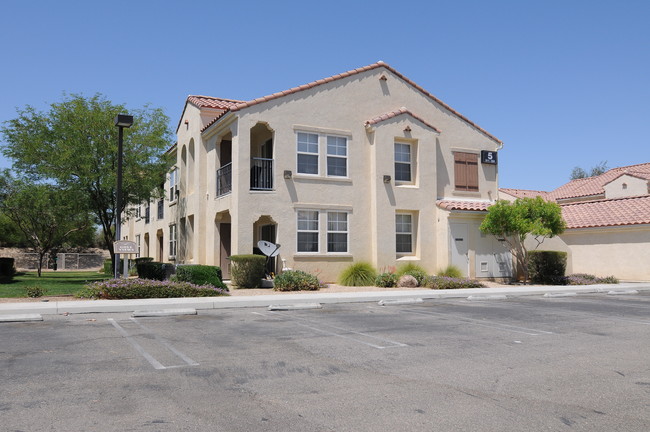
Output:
x,y
10,234
579,173
46,214
74,145
516,221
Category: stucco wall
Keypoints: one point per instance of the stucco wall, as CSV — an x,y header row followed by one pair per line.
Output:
x,y
340,108
617,251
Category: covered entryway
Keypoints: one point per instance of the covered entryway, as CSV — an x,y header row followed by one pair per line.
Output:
x,y
266,229
224,242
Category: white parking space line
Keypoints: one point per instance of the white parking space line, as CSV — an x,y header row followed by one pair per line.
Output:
x,y
631,321
155,363
343,332
490,324
167,345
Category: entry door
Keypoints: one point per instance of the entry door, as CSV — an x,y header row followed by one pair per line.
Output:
x,y
458,247
224,249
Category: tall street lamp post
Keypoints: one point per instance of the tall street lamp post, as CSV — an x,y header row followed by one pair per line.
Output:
x,y
121,121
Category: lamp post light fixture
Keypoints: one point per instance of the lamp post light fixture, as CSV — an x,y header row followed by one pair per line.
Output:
x,y
121,121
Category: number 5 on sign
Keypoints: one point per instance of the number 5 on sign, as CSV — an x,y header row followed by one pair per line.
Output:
x,y
488,157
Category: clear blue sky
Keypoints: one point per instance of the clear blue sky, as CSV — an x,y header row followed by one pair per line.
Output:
x,y
561,83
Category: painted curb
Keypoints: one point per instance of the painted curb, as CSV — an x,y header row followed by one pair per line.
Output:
x,y
21,318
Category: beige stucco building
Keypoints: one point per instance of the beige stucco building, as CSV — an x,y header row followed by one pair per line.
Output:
x,y
608,222
361,166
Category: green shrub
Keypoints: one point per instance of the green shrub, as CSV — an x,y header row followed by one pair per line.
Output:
x,y
547,267
386,280
199,275
359,274
444,282
35,291
155,270
587,279
296,280
108,267
145,288
451,271
247,270
7,269
412,269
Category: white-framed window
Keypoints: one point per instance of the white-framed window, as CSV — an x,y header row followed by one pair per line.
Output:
x,y
337,156
173,184
172,240
307,153
137,242
307,231
337,232
404,233
403,162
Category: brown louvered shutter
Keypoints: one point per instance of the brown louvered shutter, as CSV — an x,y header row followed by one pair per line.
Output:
x,y
466,171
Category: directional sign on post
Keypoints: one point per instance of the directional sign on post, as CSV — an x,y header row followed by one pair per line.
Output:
x,y
124,247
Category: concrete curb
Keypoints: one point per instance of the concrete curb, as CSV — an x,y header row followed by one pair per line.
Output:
x,y
206,303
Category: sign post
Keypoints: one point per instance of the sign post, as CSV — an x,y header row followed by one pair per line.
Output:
x,y
126,248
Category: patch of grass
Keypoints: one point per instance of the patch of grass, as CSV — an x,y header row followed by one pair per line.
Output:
x,y
51,282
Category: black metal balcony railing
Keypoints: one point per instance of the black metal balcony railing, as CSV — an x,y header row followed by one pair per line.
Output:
x,y
224,180
261,174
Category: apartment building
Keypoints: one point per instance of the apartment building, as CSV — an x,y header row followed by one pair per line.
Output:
x,y
361,166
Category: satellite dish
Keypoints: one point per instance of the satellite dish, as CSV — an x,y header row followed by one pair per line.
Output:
x,y
269,249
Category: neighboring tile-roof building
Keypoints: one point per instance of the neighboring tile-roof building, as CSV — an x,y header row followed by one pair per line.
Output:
x,y
608,222
585,202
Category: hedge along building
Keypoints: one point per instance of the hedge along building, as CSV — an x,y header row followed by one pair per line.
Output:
x,y
361,166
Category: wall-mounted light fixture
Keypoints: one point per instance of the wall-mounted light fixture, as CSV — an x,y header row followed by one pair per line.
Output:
x,y
287,174
387,179
407,129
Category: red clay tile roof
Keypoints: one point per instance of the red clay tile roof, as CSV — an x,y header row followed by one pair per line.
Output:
x,y
594,186
396,113
212,102
523,193
379,64
604,213
464,205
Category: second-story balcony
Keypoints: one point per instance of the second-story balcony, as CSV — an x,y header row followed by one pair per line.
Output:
x,y
224,180
261,173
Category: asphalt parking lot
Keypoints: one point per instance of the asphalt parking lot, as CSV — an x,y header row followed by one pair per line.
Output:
x,y
522,364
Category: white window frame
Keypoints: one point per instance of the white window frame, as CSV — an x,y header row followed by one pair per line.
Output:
x,y
173,184
173,240
410,164
307,152
400,231
137,242
337,146
302,228
338,227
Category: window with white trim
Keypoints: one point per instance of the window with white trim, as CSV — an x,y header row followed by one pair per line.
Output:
x,y
307,231
173,184
337,156
307,153
404,233
403,162
337,232
172,241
